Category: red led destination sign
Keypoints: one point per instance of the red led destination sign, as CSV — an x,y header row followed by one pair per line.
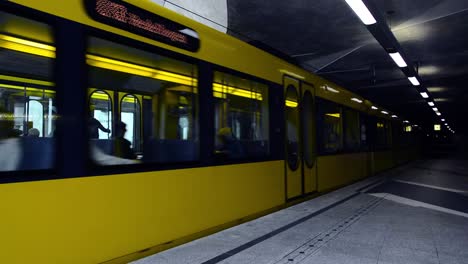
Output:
x,y
140,21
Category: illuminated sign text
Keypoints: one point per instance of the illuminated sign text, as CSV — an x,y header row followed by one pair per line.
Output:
x,y
134,19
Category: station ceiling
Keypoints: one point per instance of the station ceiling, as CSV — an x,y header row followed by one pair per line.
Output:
x,y
327,38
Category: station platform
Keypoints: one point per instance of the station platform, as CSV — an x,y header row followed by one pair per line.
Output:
x,y
416,213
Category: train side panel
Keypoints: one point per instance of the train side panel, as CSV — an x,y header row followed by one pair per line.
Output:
x,y
95,219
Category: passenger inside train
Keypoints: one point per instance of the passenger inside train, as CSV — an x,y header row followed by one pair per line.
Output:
x,y
121,144
94,125
229,145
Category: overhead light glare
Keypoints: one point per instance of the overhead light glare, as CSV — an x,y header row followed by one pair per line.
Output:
x,y
398,59
295,75
431,103
443,119
361,11
394,116
439,114
406,121
414,81
26,46
435,109
374,108
424,95
330,89
356,100
384,112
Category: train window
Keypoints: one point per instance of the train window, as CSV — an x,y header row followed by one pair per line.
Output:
x,y
241,117
100,115
308,131
292,127
130,115
148,102
366,131
330,127
27,95
382,137
352,130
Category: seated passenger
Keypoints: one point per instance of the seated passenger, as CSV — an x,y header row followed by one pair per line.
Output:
x,y
121,144
229,145
33,132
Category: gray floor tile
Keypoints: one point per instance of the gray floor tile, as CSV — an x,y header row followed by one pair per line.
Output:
x,y
372,238
412,240
356,249
449,259
335,258
407,256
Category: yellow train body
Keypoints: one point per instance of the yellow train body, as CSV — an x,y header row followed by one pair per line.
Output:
x,y
116,218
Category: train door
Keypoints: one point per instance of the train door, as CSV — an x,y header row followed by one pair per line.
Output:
x,y
309,153
294,175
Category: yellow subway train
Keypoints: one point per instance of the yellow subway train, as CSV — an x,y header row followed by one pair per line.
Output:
x,y
126,129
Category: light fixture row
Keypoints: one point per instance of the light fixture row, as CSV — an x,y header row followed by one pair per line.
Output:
x,y
368,19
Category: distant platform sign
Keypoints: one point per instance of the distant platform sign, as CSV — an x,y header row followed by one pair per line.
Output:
x,y
126,16
436,127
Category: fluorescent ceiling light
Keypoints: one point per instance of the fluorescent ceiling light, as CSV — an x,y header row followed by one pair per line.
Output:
x,y
374,108
384,112
406,121
435,109
438,113
332,90
446,124
394,116
424,94
443,119
27,46
361,11
414,81
398,59
430,103
337,115
219,91
291,104
295,75
121,66
356,100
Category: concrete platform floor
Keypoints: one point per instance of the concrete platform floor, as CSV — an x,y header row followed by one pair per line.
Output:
x,y
417,213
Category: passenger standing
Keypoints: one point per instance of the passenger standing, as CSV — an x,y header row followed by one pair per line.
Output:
x,y
230,145
94,126
33,132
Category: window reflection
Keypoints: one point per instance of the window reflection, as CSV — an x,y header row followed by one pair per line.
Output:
x,y
149,105
27,96
292,127
241,117
352,130
330,127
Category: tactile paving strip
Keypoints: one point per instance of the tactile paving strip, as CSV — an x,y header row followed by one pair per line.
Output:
x,y
313,245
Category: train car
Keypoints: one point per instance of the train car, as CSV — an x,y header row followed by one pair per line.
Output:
x,y
126,129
